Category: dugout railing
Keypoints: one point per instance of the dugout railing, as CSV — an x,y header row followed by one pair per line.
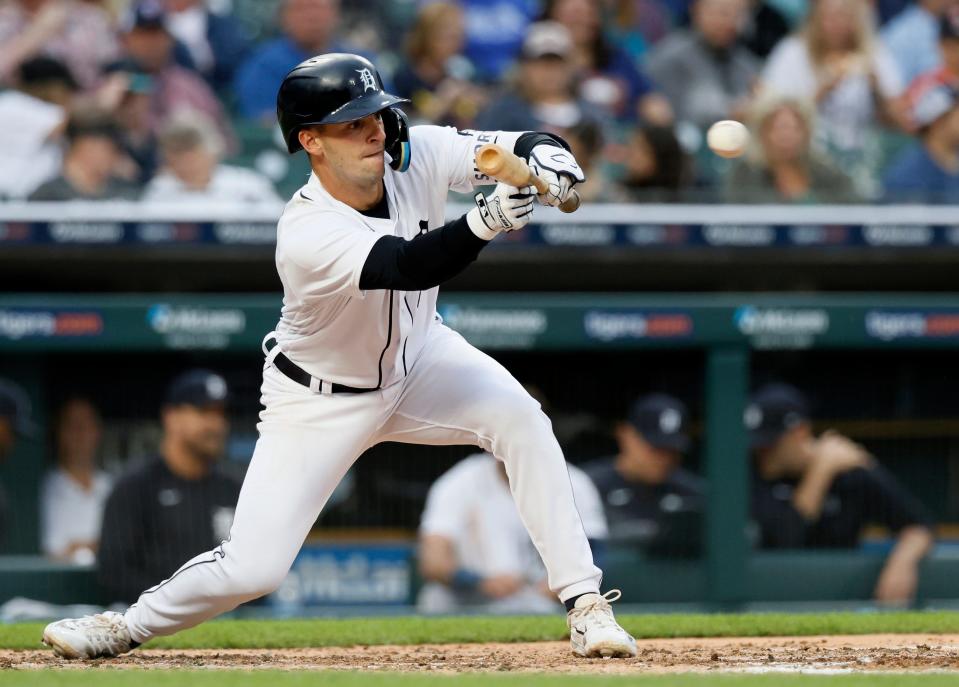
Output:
x,y
729,330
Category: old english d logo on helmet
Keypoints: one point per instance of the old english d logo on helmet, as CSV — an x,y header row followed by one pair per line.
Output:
x,y
328,89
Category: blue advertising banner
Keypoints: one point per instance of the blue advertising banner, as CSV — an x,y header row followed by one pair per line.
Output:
x,y
347,575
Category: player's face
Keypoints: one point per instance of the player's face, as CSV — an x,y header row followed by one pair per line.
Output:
x,y
78,433
793,453
202,431
353,151
641,460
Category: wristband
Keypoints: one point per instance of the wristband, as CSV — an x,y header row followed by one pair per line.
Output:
x,y
464,580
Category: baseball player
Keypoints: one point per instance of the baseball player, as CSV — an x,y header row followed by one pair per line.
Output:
x,y
360,356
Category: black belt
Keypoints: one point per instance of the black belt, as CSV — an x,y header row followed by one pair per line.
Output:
x,y
301,376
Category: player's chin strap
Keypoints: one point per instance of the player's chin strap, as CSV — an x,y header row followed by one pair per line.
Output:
x,y
397,129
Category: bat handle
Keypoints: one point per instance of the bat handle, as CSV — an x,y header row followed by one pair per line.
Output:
x,y
572,202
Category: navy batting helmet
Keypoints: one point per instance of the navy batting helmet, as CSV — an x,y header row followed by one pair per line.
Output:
x,y
340,87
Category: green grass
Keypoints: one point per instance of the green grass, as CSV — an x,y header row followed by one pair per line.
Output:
x,y
274,634
71,678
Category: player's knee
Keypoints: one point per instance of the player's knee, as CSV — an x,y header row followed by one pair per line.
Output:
x,y
258,577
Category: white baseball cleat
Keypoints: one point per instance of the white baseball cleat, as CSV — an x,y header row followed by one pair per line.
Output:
x,y
594,632
92,636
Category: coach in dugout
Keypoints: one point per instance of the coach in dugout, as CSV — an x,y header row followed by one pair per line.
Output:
x,y
15,414
651,502
177,504
819,492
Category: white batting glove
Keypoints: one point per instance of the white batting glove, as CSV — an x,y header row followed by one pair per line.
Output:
x,y
507,208
558,168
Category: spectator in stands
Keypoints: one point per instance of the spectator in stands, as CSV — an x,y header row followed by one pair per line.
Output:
x,y
946,74
912,37
542,96
73,493
781,166
928,170
704,72
607,77
649,499
76,33
192,169
474,552
655,167
178,504
15,420
149,44
127,92
495,30
90,162
309,28
819,492
435,75
216,42
837,62
32,120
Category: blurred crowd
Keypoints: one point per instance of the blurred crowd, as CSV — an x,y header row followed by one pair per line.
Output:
x,y
847,100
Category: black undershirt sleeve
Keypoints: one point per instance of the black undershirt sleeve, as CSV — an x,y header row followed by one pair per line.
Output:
x,y
423,262
524,144
430,259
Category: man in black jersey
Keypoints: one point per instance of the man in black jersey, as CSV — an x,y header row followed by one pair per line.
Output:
x,y
14,421
649,499
176,504
819,492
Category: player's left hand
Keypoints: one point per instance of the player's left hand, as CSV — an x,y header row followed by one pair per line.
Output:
x,y
559,169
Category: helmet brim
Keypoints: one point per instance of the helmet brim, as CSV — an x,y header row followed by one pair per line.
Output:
x,y
357,108
361,107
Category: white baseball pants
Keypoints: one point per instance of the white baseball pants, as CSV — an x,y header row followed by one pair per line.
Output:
x,y
454,394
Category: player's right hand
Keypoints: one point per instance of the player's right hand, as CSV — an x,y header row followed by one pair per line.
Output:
x,y
507,208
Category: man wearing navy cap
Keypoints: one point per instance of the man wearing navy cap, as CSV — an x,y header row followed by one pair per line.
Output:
x,y
819,492
177,504
14,416
649,499
14,421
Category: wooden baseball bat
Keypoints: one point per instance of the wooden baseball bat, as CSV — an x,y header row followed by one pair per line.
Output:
x,y
498,163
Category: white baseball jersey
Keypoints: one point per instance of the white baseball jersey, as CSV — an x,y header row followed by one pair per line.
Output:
x,y
472,506
309,437
328,326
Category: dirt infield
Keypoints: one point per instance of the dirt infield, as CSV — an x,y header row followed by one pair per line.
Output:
x,y
855,653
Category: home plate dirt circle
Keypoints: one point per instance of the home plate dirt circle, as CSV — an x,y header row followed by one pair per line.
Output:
x,y
854,653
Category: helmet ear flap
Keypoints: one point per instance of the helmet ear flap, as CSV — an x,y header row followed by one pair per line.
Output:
x,y
397,129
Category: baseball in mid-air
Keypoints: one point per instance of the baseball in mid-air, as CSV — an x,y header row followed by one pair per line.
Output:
x,y
728,138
